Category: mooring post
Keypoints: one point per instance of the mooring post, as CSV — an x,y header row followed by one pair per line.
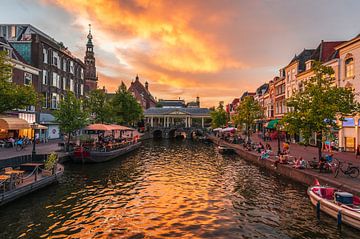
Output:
x,y
318,210
339,218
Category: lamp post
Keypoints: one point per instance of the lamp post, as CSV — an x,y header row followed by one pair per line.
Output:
x,y
278,137
34,126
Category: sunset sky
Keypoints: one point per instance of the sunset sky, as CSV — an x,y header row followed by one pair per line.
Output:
x,y
214,49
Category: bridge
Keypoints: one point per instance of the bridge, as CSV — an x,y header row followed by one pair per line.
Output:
x,y
172,122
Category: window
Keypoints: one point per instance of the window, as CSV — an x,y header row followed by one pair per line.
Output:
x,y
72,67
45,77
64,65
13,32
54,100
82,73
293,74
56,59
45,56
49,56
288,76
56,80
349,68
64,83
81,89
72,85
27,78
46,99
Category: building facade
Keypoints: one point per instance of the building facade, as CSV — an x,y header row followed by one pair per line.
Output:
x,y
22,74
142,93
60,71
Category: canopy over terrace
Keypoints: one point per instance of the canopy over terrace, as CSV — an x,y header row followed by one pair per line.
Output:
x,y
167,117
12,123
107,127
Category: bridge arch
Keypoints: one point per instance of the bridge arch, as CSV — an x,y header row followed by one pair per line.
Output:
x,y
157,134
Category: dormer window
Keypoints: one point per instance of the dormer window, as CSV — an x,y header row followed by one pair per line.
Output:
x,y
308,65
349,68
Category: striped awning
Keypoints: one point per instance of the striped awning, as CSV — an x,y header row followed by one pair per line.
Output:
x,y
12,123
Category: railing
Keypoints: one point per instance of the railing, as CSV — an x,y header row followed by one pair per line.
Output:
x,y
18,160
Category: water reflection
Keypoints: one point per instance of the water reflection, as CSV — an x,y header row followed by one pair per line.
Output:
x,y
180,189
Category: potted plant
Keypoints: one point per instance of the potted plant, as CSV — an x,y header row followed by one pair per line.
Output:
x,y
49,164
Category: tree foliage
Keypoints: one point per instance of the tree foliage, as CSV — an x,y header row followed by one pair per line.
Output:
x,y
316,108
247,112
218,116
98,104
70,115
13,96
125,107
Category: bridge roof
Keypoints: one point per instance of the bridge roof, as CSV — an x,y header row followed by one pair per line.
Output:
x,y
177,111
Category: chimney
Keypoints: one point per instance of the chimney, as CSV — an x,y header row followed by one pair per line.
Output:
x,y
146,85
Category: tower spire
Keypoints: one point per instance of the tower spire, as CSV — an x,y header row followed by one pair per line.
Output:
x,y
89,37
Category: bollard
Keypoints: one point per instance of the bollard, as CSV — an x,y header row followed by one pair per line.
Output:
x,y
318,210
339,218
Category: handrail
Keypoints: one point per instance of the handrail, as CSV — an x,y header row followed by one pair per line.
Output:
x,y
28,176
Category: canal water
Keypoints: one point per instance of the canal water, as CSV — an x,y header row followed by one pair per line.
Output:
x,y
169,189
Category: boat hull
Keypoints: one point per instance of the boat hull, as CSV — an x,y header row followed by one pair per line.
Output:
x,y
100,157
348,216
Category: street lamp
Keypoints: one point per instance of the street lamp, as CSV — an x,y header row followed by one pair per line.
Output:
x,y
34,126
278,128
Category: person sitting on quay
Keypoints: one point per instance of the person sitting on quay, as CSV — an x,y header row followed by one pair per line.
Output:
x,y
268,147
322,164
260,147
300,163
281,159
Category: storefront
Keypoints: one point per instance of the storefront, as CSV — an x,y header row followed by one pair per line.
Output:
x,y
349,135
53,131
13,127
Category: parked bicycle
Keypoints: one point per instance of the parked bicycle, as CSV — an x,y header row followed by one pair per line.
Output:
x,y
20,145
352,171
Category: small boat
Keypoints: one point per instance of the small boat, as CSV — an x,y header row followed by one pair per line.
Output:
x,y
225,150
343,206
106,147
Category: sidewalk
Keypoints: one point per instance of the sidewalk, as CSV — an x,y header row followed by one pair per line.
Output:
x,y
308,152
43,148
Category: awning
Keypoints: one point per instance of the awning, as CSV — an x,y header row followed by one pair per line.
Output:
x,y
107,127
217,129
12,123
272,124
40,126
228,129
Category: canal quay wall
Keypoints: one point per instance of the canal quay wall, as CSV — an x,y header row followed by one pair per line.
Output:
x,y
304,176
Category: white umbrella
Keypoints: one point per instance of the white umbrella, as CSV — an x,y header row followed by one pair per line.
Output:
x,y
228,129
217,129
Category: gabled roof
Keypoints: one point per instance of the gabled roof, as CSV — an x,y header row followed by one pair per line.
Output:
x,y
326,51
166,111
304,56
262,89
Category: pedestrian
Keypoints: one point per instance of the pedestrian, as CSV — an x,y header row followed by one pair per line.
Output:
x,y
358,151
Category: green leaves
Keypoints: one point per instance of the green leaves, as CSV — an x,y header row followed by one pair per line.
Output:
x,y
13,96
248,111
98,104
218,116
317,107
125,107
71,115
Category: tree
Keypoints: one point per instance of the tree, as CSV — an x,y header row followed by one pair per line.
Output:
x,y
218,116
70,115
98,104
125,107
247,112
13,96
316,108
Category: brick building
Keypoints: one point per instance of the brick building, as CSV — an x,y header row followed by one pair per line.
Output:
x,y
142,94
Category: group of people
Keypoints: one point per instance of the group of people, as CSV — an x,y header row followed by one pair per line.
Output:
x,y
13,142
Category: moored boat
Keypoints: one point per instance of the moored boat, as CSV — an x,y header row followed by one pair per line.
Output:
x,y
225,150
106,146
342,206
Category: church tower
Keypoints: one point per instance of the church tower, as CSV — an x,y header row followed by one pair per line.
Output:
x,y
90,68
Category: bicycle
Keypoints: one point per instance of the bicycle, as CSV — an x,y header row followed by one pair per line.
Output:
x,y
352,171
20,146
